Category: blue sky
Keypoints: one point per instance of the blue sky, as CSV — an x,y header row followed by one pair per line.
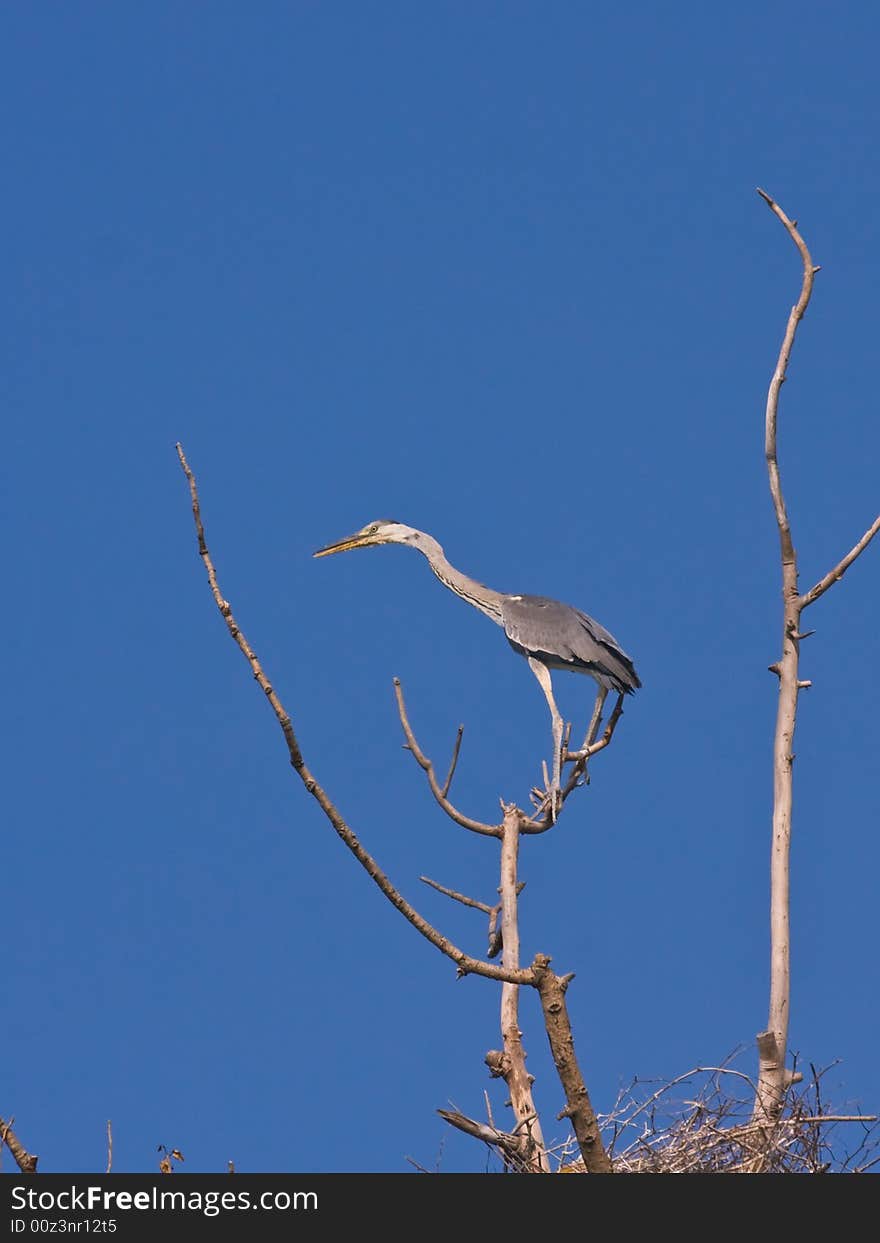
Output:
x,y
498,271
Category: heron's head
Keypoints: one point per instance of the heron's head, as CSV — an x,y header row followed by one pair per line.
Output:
x,y
382,531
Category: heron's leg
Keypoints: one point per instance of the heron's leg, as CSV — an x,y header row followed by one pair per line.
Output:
x,y
542,673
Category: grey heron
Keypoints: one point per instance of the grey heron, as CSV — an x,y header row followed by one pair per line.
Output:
x,y
549,634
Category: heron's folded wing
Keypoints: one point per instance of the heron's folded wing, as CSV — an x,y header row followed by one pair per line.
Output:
x,y
564,637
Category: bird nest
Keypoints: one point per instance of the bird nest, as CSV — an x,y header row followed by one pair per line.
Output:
x,y
702,1123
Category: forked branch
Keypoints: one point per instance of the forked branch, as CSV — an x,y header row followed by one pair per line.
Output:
x,y
509,1144
835,575
465,963
774,1078
527,1136
439,792
542,820
773,1042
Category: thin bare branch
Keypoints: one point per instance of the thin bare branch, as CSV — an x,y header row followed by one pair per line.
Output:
x,y
26,1161
830,1118
596,719
475,826
458,897
444,790
510,1146
465,963
593,747
842,566
779,374
109,1147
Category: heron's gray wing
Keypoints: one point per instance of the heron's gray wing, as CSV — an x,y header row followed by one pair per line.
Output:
x,y
565,638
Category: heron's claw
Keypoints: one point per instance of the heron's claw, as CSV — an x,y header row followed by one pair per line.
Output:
x,y
549,798
580,759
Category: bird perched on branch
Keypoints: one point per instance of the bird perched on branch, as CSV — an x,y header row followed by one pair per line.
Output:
x,y
549,634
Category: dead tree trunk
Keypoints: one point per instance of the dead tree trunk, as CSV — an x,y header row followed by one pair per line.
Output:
x,y
773,1075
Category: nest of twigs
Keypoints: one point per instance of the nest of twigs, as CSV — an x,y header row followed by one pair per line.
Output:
x,y
702,1123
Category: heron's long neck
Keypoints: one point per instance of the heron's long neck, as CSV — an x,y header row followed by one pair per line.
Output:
x,y
482,598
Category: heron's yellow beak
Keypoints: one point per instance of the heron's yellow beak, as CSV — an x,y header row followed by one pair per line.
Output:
x,y
343,545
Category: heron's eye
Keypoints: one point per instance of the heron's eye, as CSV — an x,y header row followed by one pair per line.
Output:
x,y
372,530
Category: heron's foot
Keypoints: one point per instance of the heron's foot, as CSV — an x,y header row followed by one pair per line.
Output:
x,y
555,802
546,799
580,759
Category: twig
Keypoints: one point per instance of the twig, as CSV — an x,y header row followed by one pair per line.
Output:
x,y
458,897
109,1147
510,1145
465,963
495,937
697,1070
26,1161
596,719
605,740
829,1118
842,566
794,319
475,826
452,763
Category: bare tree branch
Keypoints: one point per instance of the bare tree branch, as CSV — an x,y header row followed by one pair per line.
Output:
x,y
465,963
510,1146
452,763
774,1078
773,1043
458,897
495,938
579,1108
551,988
26,1161
776,383
590,746
513,1068
475,826
842,566
595,720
